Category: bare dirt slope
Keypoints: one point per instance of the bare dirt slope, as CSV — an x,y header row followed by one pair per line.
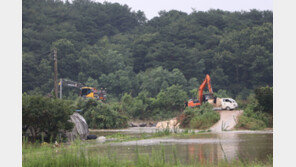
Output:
x,y
228,120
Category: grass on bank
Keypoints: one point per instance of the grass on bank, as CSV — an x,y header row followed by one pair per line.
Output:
x,y
119,137
76,155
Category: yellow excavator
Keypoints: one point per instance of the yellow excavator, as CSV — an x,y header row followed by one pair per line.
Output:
x,y
85,91
90,92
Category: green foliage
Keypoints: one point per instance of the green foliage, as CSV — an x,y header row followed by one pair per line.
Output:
x,y
156,79
189,113
202,117
254,117
46,115
168,103
172,99
126,53
250,123
99,115
222,93
136,107
92,82
264,96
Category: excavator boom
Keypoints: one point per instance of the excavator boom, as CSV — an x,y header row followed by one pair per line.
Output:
x,y
207,81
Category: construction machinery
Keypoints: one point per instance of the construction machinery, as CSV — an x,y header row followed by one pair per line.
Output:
x,y
202,97
85,91
90,92
218,103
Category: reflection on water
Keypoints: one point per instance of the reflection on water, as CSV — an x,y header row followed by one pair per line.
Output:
x,y
209,147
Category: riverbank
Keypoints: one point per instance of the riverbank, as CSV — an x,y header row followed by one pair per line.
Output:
x,y
77,154
148,147
140,133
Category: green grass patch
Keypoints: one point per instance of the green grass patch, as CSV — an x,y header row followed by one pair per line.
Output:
x,y
246,122
119,137
77,155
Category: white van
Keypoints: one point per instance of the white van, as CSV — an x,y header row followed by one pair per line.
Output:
x,y
228,104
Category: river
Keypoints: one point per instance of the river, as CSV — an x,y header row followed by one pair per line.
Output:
x,y
209,146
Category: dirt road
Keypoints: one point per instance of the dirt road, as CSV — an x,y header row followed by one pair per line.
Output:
x,y
228,120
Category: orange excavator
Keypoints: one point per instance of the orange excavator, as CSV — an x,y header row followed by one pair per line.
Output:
x,y
202,97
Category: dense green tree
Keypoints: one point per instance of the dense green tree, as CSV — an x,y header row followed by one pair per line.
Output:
x,y
172,99
126,53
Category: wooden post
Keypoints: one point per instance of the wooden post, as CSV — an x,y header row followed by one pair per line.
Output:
x,y
61,88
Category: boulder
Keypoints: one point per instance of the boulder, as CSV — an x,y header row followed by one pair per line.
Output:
x,y
80,129
143,125
171,124
91,137
101,139
132,124
162,125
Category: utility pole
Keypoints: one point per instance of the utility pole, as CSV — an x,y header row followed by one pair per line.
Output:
x,y
55,57
61,88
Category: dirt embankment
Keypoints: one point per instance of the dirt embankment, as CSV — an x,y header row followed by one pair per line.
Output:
x,y
228,120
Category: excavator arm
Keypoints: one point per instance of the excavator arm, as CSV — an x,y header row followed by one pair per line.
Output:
x,y
207,81
67,82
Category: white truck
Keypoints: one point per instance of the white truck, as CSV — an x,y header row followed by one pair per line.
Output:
x,y
228,104
224,104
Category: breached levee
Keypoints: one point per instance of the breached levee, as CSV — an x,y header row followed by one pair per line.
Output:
x,y
80,129
228,120
172,124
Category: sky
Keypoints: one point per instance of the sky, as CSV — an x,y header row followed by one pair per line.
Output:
x,y
152,7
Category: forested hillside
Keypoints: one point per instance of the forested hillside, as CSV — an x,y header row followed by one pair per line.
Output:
x,y
110,45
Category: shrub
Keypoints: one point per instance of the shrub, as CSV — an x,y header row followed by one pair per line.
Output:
x,y
172,99
250,111
136,107
253,117
186,117
47,115
99,115
167,104
250,123
202,117
127,104
264,96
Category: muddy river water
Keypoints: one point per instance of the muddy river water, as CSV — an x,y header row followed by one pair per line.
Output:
x,y
210,146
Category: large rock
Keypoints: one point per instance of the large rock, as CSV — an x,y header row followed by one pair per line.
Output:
x,y
132,124
143,124
101,139
80,129
171,124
